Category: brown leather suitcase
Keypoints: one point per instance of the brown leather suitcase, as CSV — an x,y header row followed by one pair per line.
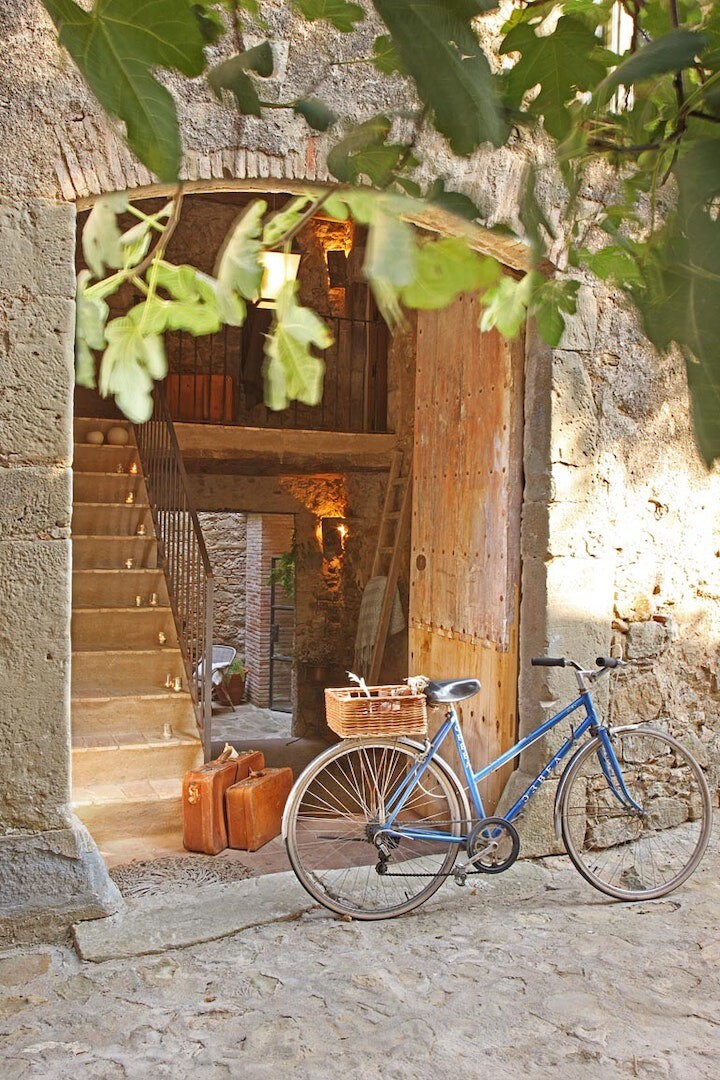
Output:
x,y
255,808
203,800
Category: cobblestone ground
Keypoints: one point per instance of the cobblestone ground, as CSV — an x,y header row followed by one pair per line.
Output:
x,y
530,974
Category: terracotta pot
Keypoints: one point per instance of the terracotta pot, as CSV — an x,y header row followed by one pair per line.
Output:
x,y
236,688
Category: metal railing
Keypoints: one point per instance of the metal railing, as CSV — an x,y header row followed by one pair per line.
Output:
x,y
217,379
183,556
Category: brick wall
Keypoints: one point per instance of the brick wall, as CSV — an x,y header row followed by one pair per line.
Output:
x,y
267,535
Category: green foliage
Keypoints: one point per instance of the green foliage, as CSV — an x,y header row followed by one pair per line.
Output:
x,y
386,58
316,112
283,572
656,240
232,75
562,63
340,13
439,49
239,270
117,47
445,268
671,52
292,371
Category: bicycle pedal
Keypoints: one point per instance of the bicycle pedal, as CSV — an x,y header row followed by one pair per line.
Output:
x,y
460,876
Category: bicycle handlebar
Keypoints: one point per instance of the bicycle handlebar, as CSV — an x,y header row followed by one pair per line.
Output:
x,y
605,662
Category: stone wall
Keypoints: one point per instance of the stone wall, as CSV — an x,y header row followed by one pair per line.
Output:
x,y
620,522
226,538
50,871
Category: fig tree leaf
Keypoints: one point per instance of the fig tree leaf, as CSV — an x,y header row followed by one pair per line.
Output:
x,y
286,219
101,236
564,62
130,363
238,266
551,301
390,260
91,315
386,58
340,13
612,264
117,46
506,304
232,75
316,112
671,52
292,371
443,269
364,151
440,50
452,201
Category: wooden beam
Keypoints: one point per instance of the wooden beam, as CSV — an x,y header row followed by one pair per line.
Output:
x,y
270,451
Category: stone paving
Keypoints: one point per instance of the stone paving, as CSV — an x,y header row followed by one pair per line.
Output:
x,y
530,974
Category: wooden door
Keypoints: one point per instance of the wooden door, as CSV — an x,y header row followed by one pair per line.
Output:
x,y
465,561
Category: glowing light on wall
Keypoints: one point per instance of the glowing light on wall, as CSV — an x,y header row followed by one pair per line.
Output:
x,y
279,268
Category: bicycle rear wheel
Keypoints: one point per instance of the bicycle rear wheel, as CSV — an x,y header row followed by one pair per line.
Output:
x,y
636,852
334,823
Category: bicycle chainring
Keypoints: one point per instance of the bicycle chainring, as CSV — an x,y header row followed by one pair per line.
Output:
x,y
500,842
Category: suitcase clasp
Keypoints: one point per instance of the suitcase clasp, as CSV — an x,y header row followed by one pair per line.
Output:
x,y
193,794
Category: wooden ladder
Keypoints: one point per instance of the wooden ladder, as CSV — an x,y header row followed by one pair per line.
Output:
x,y
393,524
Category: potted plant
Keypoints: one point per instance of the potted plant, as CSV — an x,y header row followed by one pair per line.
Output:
x,y
234,680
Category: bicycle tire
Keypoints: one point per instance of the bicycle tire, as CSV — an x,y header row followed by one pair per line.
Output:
x,y
342,794
627,854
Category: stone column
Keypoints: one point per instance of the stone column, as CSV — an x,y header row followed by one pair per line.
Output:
x,y
568,562
51,873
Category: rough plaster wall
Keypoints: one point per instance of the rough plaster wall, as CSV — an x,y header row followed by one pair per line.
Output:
x,y
226,539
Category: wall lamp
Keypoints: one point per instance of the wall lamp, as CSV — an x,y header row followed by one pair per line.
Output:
x,y
334,535
279,268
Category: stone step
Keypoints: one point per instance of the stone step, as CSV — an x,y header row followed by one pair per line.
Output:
x,y
98,671
117,588
111,552
83,424
111,487
132,627
111,519
133,808
107,712
103,459
131,756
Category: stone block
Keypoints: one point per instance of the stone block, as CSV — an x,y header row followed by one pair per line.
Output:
x,y
37,248
574,425
50,880
35,503
34,674
645,639
580,332
635,697
36,377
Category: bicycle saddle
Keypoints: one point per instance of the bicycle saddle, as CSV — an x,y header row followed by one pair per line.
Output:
x,y
444,691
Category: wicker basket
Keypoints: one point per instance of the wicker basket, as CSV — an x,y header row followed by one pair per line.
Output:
x,y
353,715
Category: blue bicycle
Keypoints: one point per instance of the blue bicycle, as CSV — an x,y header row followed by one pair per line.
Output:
x,y
373,827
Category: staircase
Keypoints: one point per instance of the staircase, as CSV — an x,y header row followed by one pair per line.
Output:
x,y
133,738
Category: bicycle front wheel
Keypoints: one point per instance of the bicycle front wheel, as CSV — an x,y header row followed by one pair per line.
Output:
x,y
334,829
641,842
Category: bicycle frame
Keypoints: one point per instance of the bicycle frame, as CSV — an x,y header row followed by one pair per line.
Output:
x,y
591,723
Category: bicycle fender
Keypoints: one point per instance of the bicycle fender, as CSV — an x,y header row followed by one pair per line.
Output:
x,y
439,761
559,794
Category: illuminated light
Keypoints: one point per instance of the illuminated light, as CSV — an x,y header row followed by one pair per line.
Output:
x,y
279,268
334,532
